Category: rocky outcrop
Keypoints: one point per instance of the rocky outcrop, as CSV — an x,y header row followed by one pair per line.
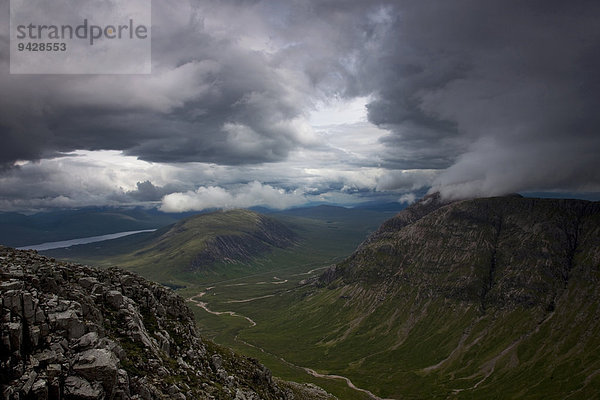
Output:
x,y
73,332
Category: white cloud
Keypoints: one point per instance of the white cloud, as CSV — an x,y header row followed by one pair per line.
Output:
x,y
407,180
408,198
78,179
489,169
362,178
242,196
338,111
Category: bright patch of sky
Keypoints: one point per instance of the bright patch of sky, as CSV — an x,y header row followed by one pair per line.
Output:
x,y
338,111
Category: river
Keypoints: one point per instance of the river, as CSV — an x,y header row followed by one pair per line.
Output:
x,y
86,240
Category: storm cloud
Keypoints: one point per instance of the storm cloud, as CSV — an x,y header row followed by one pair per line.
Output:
x,y
470,98
500,94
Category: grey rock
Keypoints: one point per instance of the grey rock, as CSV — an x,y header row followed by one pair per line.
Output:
x,y
88,340
28,307
12,300
57,348
97,364
12,284
78,388
46,357
222,374
15,330
53,370
123,379
217,361
173,389
69,322
230,381
40,389
115,299
87,282
40,316
163,341
29,383
35,335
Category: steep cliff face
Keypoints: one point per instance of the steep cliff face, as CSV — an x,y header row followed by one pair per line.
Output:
x,y
485,298
73,332
497,252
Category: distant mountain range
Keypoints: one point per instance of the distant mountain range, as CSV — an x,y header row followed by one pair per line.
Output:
x,y
18,229
191,245
233,243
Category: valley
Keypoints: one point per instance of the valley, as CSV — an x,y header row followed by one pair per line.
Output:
x,y
485,298
234,292
226,326
300,200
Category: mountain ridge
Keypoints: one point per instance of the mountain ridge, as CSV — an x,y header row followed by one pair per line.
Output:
x,y
19,230
501,218
482,298
223,241
193,244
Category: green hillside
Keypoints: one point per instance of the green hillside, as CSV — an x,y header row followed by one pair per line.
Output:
x,y
192,245
489,298
221,245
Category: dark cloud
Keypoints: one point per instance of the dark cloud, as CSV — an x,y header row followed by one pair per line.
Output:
x,y
146,191
209,99
498,96
501,93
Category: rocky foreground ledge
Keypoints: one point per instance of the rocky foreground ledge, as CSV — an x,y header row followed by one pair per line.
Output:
x,y
75,332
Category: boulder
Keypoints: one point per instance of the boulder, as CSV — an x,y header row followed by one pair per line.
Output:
x,y
28,307
11,299
98,364
115,299
15,330
217,362
86,341
77,388
40,389
69,322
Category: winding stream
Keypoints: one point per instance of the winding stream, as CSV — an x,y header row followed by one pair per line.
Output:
x,y
203,305
310,371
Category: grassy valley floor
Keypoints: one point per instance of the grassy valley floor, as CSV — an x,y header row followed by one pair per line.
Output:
x,y
230,300
228,310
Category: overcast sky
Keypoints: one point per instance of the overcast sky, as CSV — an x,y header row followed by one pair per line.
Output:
x,y
281,103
